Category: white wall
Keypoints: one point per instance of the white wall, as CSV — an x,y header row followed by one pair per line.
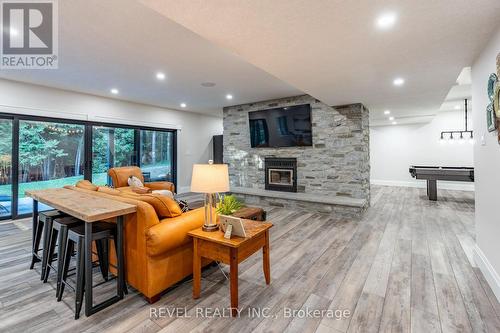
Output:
x,y
487,170
394,148
194,137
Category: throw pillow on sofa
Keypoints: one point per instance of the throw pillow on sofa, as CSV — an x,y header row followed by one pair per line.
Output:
x,y
133,181
166,193
85,184
183,204
108,190
163,205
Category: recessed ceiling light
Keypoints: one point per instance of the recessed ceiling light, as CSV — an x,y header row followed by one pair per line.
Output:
x,y
183,105
115,91
457,107
394,123
387,112
208,84
229,96
386,20
398,81
391,118
160,76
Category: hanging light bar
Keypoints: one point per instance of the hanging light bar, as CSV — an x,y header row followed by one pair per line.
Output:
x,y
467,132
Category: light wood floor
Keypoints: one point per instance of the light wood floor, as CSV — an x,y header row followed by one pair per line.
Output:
x,y
407,265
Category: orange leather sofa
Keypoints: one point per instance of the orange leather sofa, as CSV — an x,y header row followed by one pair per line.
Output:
x,y
158,252
119,177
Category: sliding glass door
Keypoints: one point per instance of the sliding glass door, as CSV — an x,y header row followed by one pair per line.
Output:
x,y
5,168
50,155
111,147
157,155
40,153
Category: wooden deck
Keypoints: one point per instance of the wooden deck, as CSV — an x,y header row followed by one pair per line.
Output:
x,y
405,266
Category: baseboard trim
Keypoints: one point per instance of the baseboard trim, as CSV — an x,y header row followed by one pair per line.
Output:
x,y
488,271
422,184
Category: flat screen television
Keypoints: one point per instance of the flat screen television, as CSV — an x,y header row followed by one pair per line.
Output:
x,y
281,127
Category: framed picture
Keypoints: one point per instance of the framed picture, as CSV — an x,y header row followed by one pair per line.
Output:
x,y
238,229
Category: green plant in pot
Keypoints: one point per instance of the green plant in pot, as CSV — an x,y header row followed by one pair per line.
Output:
x,y
228,205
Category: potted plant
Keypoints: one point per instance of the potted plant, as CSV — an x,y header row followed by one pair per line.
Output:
x,y
228,205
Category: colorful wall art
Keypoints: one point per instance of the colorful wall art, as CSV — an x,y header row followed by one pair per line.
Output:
x,y
493,108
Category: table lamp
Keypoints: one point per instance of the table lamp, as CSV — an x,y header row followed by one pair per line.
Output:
x,y
210,179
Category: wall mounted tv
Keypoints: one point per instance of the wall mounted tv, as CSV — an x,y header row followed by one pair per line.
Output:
x,y
281,127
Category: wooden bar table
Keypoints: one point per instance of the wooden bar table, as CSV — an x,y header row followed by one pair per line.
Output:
x,y
88,208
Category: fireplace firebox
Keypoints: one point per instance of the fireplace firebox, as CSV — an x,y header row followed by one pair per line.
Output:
x,y
281,174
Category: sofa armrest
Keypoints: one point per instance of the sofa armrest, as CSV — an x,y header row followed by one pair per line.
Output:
x,y
172,232
160,186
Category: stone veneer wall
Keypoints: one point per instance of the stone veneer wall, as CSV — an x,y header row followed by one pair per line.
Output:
x,y
338,163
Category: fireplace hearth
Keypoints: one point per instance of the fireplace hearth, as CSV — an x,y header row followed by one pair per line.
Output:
x,y
280,174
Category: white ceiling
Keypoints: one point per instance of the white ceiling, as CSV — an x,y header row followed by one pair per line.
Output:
x,y
331,49
258,50
454,101
122,44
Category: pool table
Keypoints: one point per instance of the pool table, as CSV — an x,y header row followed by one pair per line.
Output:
x,y
434,173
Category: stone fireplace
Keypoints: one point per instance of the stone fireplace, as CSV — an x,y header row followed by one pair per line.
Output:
x,y
331,176
280,174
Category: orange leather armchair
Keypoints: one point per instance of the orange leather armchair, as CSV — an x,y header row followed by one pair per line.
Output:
x,y
119,177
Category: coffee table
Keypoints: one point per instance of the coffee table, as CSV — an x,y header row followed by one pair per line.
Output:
x,y
213,245
251,213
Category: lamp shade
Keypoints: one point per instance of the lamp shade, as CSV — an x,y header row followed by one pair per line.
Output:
x,y
210,178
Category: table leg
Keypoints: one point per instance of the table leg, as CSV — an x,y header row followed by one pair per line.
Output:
x,y
196,269
233,277
120,257
432,189
35,227
88,269
265,259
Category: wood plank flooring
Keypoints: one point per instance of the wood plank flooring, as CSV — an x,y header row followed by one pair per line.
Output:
x,y
405,266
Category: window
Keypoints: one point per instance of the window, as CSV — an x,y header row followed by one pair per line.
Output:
x,y
157,155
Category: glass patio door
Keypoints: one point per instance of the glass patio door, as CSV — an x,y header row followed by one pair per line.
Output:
x,y
5,168
40,153
51,154
111,147
157,155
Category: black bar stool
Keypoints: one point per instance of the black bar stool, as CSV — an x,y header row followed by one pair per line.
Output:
x,y
43,226
101,233
58,235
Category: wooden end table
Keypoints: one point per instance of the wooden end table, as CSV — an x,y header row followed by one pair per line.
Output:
x,y
213,245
